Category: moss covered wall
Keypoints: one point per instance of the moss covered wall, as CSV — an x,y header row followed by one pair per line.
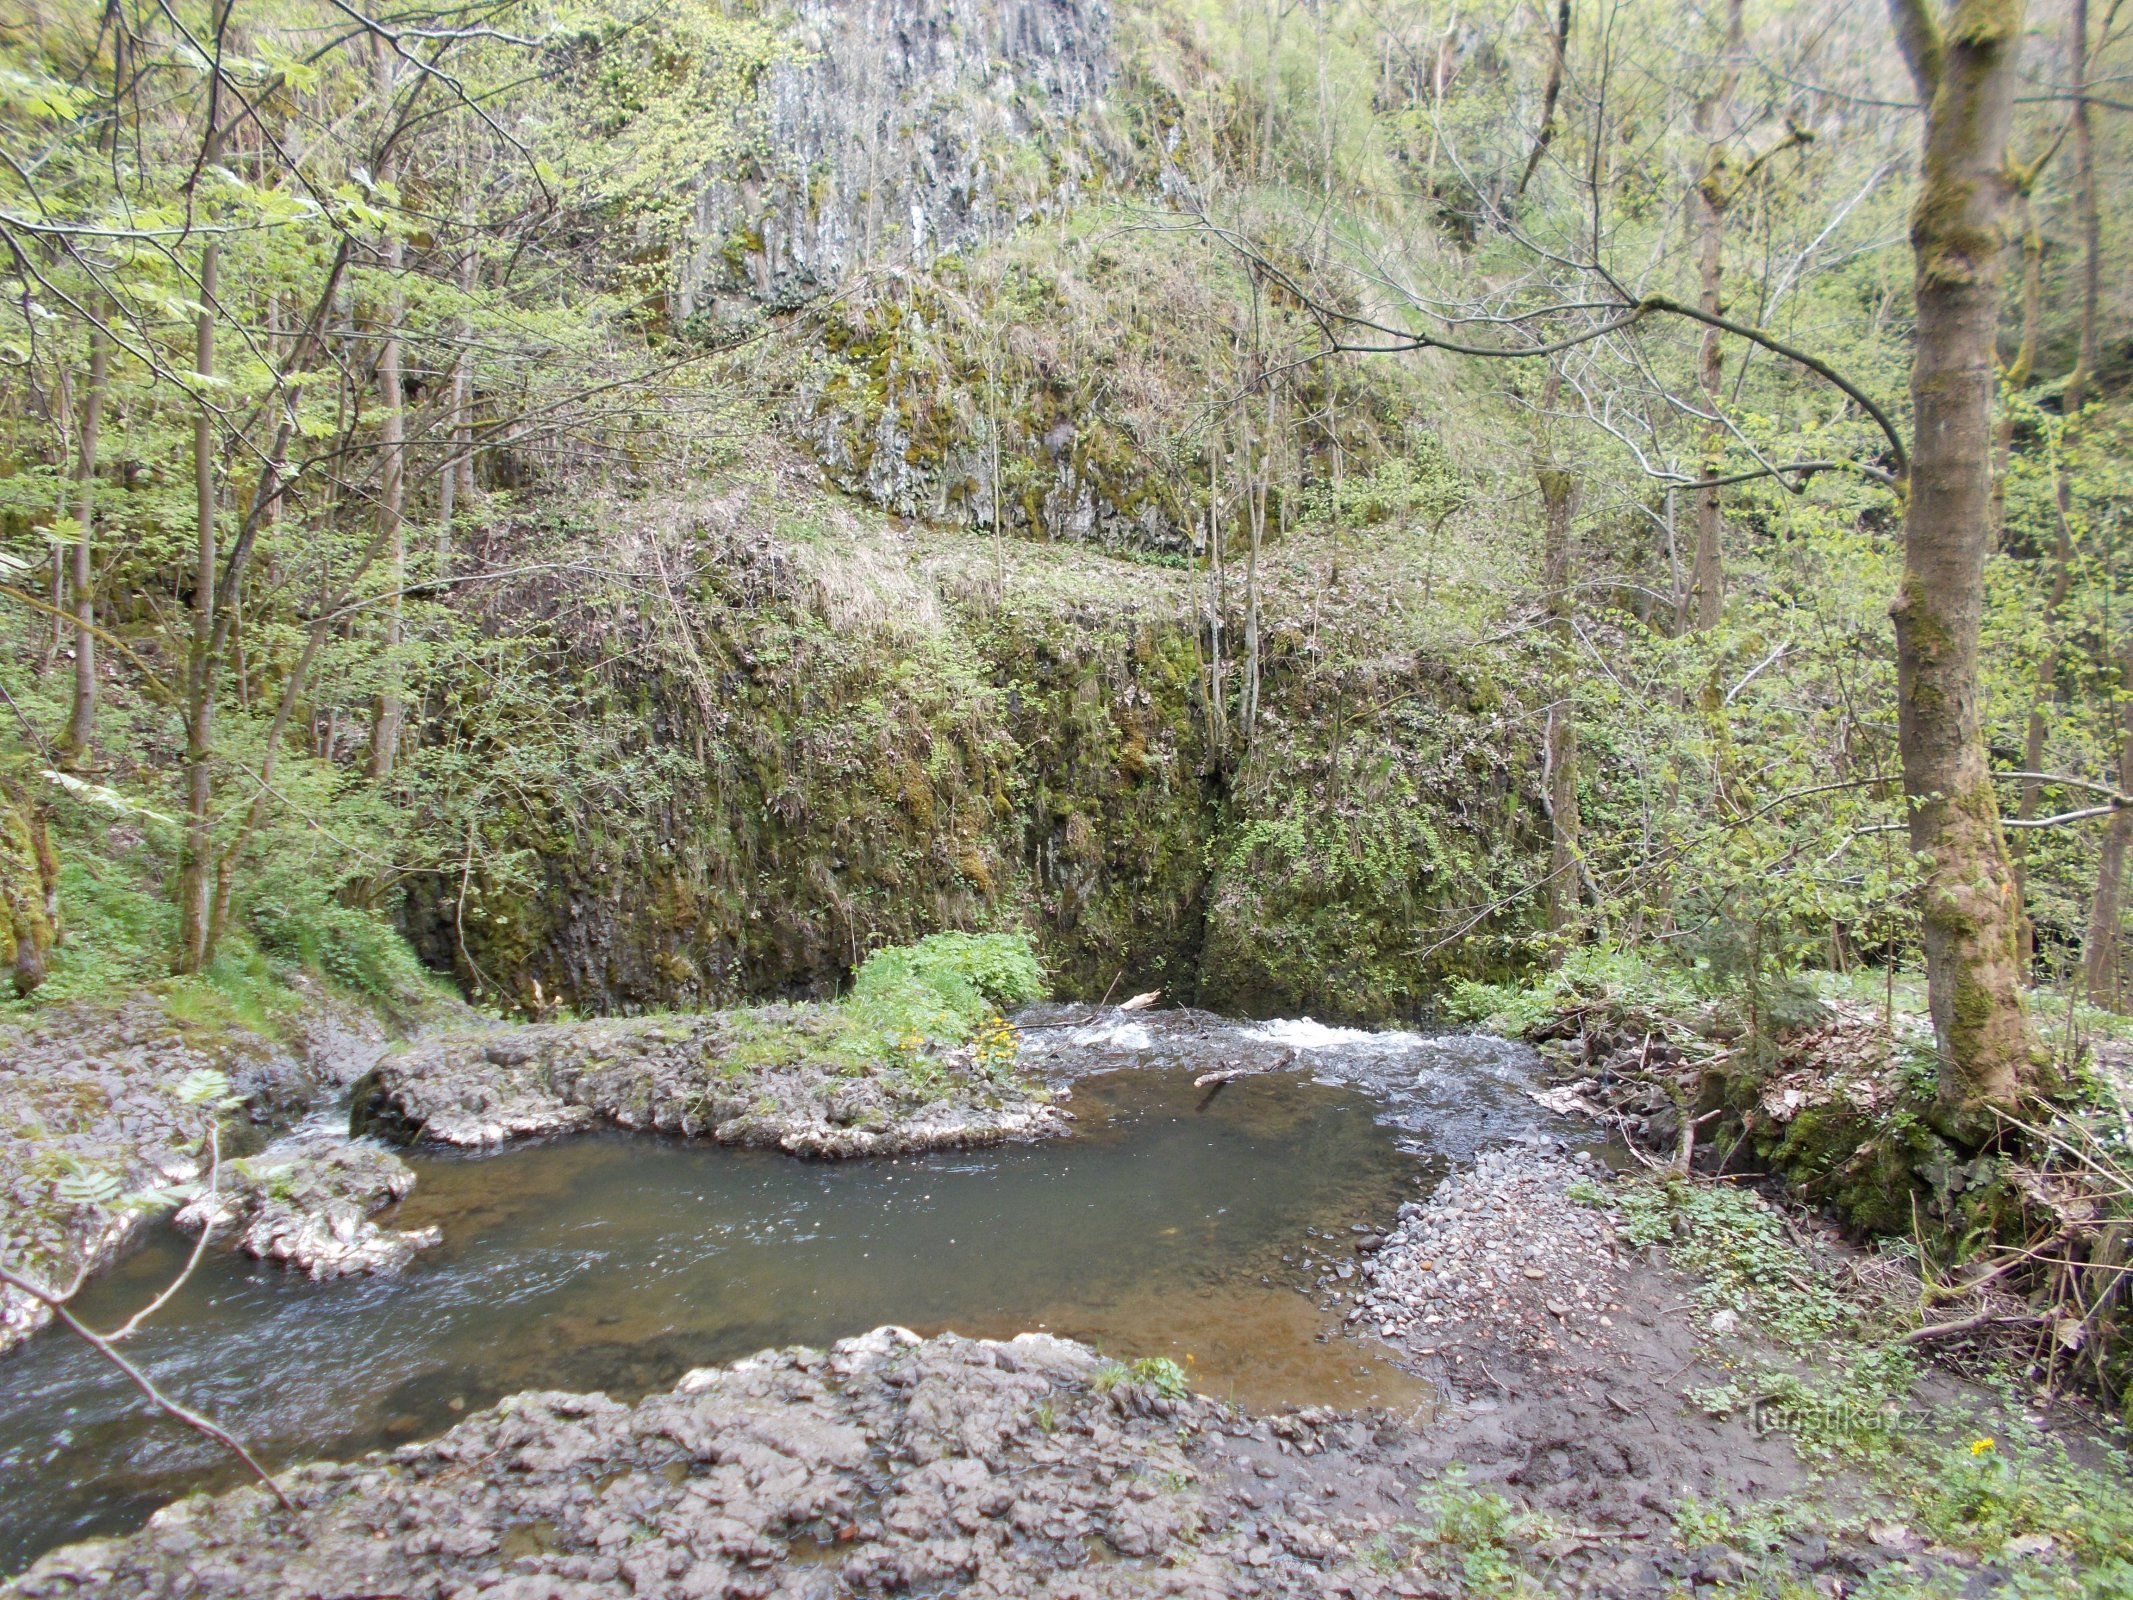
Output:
x,y
855,735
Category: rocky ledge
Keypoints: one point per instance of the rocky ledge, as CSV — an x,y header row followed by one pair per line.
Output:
x,y
92,1111
889,1464
736,1077
307,1205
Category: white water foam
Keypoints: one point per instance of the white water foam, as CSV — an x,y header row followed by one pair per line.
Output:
x,y
1301,1033
1116,1035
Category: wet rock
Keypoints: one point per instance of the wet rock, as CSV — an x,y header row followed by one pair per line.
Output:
x,y
307,1205
92,1109
685,1075
888,1463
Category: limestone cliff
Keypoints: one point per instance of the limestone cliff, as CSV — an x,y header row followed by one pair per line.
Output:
x,y
901,131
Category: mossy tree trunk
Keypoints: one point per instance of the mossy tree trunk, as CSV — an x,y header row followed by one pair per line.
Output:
x,y
1965,71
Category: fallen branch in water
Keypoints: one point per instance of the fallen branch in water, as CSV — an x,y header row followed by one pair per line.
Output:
x,y
1140,1002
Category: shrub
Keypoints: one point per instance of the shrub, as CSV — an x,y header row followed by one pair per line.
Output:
x,y
948,984
296,920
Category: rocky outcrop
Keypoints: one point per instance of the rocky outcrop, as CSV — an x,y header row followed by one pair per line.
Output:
x,y
739,1077
94,1109
896,133
887,1465
307,1205
860,736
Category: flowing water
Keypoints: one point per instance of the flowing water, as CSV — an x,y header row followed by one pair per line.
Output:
x,y
1171,1224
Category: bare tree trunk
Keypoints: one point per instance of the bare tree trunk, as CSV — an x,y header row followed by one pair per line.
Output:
x,y
1707,220
2024,365
1559,489
457,481
2072,397
2077,384
1217,693
1970,912
2033,734
2100,962
1263,472
193,909
54,634
1275,16
1559,495
81,724
392,505
1551,92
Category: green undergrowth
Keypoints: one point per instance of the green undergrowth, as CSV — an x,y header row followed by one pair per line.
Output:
x,y
950,981
1599,977
1157,1375
909,1007
302,914
118,931
1813,1347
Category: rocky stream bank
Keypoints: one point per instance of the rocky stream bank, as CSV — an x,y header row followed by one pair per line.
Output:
x,y
94,1109
1569,1437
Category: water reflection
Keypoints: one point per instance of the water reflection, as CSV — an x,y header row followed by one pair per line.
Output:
x,y
618,1262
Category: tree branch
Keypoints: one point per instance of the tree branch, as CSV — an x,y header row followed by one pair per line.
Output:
x,y
1918,37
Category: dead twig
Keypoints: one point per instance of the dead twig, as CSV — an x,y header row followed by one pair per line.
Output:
x,y
1962,1325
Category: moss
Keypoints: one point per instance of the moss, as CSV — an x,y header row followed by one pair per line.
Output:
x,y
1034,755
1357,838
29,887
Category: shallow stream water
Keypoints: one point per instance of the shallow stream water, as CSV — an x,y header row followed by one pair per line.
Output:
x,y
1172,1224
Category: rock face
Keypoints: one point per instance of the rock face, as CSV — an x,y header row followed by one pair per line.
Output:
x,y
1051,766
689,1075
903,131
887,1465
307,1205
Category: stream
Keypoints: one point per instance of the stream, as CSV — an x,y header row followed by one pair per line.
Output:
x,y
1174,1223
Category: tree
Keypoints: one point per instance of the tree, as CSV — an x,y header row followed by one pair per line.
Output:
x,y
1964,65
81,724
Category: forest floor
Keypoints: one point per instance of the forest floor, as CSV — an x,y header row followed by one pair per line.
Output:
x,y
1643,1386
